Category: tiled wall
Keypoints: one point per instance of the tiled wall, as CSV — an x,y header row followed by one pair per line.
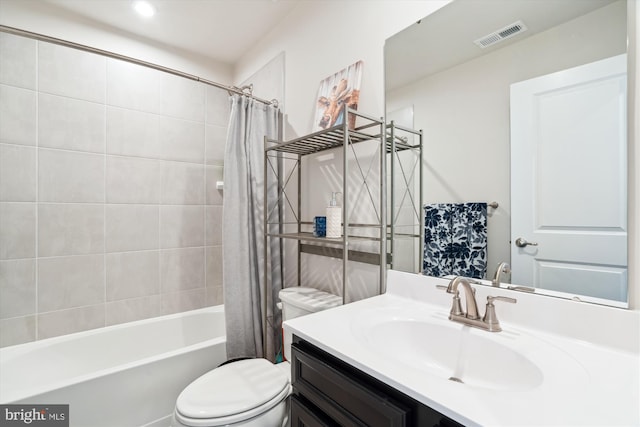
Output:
x,y
108,206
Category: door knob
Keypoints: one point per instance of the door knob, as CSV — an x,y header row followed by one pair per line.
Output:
x,y
521,243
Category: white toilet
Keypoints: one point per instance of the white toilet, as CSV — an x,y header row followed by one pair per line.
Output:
x,y
251,392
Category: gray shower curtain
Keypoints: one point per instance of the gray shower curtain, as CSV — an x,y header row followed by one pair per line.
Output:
x,y
243,238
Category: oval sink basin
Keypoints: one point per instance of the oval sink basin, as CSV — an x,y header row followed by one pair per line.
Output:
x,y
500,361
458,354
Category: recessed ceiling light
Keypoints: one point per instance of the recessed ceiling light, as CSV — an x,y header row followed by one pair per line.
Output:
x,y
144,8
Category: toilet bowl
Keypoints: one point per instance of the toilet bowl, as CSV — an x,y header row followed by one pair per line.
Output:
x,y
250,392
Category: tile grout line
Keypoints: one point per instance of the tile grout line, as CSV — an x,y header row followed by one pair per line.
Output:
x,y
37,204
159,201
204,189
104,196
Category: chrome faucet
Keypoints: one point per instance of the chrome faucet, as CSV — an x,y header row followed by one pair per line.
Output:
x,y
502,268
489,322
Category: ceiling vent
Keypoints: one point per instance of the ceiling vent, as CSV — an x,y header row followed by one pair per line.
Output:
x,y
501,34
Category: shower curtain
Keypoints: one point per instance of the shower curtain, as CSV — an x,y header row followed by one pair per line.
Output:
x,y
243,239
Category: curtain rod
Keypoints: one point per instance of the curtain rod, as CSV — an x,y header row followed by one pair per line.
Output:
x,y
244,90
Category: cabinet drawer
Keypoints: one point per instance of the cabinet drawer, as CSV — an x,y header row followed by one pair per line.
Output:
x,y
303,414
336,391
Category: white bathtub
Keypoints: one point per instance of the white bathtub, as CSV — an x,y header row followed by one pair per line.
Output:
x,y
123,375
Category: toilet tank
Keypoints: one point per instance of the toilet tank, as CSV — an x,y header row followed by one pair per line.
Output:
x,y
299,301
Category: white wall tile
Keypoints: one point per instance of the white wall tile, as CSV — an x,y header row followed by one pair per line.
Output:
x,y
17,61
70,72
17,115
17,330
67,282
17,230
129,310
132,227
175,302
132,180
70,124
133,86
133,133
213,175
181,226
182,140
113,197
181,98
17,288
70,176
133,274
17,173
214,256
70,229
215,140
64,322
182,183
182,269
213,225
214,296
217,110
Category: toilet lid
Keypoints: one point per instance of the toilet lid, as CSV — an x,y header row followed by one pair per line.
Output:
x,y
232,389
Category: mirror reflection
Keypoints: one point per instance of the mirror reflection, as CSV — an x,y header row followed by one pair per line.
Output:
x,y
524,103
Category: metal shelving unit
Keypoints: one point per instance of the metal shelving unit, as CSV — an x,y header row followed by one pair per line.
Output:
x,y
406,220
366,129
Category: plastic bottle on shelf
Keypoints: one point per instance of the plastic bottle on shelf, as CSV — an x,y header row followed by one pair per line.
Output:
x,y
334,218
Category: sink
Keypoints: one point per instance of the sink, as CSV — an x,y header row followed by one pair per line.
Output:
x,y
459,354
433,345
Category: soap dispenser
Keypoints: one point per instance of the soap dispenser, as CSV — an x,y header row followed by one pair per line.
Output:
x,y
334,218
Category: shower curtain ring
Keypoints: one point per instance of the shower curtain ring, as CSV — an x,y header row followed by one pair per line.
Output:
x,y
248,89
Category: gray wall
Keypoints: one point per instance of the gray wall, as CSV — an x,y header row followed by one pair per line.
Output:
x,y
108,206
464,112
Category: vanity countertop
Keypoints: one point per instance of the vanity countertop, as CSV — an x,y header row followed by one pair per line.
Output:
x,y
590,376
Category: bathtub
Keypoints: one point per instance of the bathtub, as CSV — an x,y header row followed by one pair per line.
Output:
x,y
122,375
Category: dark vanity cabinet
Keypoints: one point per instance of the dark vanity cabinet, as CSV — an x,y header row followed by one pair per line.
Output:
x,y
330,392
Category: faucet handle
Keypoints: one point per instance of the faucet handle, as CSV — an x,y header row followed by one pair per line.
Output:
x,y
490,318
491,299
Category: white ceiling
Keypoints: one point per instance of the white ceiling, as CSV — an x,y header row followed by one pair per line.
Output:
x,y
445,38
224,30
219,29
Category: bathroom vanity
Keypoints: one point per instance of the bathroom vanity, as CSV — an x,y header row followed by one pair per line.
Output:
x,y
327,392
396,359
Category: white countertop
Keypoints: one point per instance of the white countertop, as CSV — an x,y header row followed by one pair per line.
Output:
x,y
602,386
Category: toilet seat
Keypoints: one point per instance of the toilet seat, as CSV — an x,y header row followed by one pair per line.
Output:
x,y
232,393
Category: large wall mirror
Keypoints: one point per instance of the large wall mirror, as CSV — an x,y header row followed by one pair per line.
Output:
x,y
524,103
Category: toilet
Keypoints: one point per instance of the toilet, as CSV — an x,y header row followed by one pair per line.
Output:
x,y
249,392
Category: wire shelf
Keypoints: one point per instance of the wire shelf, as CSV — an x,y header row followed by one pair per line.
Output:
x,y
321,141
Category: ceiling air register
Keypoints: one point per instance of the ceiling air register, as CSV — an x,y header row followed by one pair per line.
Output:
x,y
501,34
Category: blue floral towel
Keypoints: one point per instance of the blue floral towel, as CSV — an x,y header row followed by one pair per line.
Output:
x,y
455,239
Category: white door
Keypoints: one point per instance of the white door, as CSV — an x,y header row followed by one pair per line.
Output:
x,y
568,180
